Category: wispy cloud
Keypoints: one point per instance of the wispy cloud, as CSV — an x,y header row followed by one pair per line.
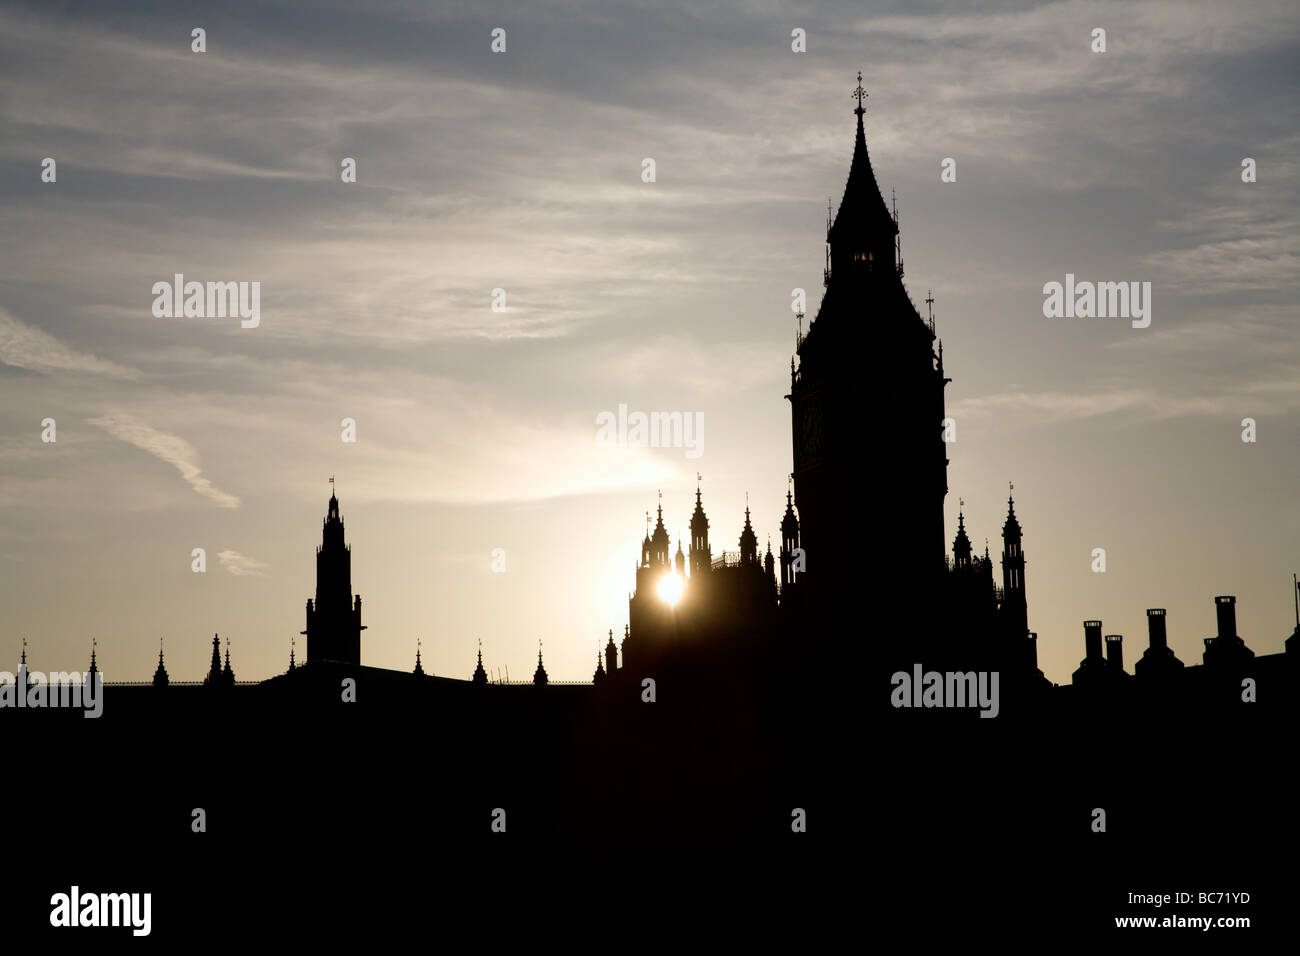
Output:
x,y
170,448
1143,404
240,564
22,346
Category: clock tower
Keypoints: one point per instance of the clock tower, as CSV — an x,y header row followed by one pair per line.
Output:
x,y
866,398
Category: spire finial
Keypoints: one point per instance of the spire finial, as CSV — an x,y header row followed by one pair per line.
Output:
x,y
24,659
860,94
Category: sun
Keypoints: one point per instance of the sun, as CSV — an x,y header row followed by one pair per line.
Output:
x,y
670,588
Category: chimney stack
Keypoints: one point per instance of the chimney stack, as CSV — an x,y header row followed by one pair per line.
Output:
x,y
1092,640
1115,651
1226,608
1156,628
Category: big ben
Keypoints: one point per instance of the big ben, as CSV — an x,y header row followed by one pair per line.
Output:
x,y
867,411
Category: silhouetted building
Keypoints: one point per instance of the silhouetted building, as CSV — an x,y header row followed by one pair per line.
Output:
x,y
334,619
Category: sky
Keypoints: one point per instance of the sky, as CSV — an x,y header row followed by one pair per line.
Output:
x,y
522,171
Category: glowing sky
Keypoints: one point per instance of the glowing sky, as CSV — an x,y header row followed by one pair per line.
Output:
x,y
522,171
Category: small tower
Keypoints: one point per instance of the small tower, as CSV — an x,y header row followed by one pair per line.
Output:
x,y
701,558
419,668
227,675
1015,613
599,676
961,545
94,668
769,562
680,560
539,675
645,544
334,617
611,655
214,670
748,540
480,675
659,540
292,664
160,675
789,542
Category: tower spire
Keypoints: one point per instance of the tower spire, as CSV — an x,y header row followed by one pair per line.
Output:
x,y
160,678
864,233
480,675
419,668
539,676
611,655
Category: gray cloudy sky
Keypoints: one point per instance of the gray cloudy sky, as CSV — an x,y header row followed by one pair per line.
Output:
x,y
476,430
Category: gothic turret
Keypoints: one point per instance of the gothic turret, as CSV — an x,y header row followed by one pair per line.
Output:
x,y
961,546
160,675
680,560
480,675
748,540
611,654
1014,611
334,618
539,675
659,540
227,675
701,557
214,670
419,668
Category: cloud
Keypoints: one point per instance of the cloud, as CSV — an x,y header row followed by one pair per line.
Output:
x,y
170,448
25,347
240,564
1143,404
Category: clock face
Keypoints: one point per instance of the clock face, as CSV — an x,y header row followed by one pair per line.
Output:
x,y
808,438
